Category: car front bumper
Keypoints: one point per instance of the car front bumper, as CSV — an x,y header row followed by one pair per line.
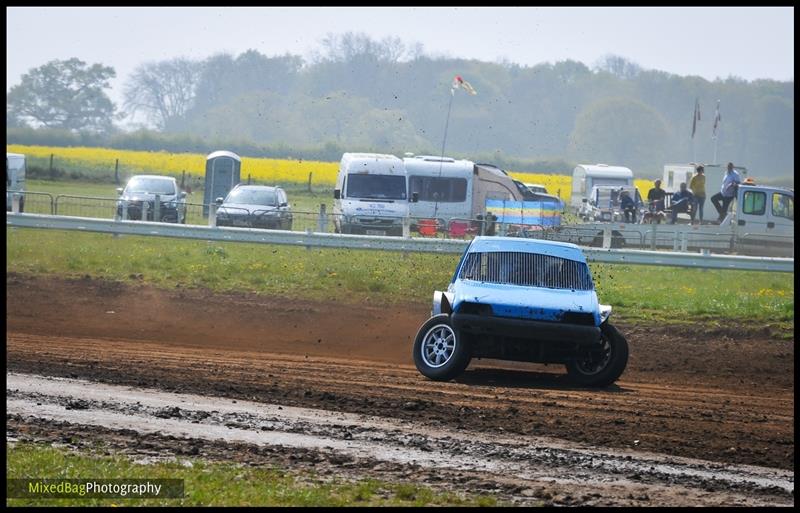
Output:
x,y
539,331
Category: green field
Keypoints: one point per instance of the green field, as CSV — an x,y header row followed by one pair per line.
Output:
x,y
661,294
217,484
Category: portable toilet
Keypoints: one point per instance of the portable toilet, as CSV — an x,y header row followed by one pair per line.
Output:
x,y
223,172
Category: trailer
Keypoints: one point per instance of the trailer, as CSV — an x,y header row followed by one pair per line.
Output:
x,y
587,176
760,223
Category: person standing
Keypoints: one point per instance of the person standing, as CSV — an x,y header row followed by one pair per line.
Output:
x,y
723,198
698,187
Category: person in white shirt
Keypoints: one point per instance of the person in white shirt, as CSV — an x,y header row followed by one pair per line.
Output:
x,y
723,198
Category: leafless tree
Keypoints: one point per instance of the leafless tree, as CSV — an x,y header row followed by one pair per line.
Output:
x,y
163,91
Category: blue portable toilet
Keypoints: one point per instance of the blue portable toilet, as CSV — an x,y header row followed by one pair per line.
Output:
x,y
223,172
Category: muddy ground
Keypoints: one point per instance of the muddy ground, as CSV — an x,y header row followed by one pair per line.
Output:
x,y
724,395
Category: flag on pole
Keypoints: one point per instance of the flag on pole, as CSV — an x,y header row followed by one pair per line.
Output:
x,y
459,82
695,116
717,120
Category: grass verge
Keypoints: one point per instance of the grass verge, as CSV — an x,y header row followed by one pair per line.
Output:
x,y
657,294
217,483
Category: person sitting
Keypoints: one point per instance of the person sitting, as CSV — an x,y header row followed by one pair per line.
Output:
x,y
628,207
655,197
655,203
682,201
727,193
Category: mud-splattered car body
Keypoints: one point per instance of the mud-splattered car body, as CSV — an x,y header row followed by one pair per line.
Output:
x,y
525,300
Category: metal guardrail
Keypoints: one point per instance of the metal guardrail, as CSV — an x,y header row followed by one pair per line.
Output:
x,y
312,239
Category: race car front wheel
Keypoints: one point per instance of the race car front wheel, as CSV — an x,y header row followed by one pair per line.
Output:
x,y
601,366
440,353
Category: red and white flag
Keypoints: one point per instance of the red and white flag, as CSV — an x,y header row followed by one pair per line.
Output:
x,y
459,82
717,120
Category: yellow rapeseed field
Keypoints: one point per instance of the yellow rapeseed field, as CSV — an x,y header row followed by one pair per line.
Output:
x,y
261,169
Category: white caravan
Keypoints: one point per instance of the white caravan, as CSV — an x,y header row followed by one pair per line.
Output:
x,y
15,179
371,194
447,189
587,176
442,187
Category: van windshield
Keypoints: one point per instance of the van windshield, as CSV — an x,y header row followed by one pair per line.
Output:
x,y
391,187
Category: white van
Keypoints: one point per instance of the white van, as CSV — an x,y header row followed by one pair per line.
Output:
x,y
371,194
15,179
448,189
586,176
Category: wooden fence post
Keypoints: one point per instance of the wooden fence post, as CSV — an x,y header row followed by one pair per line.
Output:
x,y
51,167
309,181
116,171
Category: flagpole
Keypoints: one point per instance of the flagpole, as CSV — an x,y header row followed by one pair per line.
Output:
x,y
715,149
444,140
717,128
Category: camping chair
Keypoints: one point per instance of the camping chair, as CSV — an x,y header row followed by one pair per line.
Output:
x,y
427,227
458,229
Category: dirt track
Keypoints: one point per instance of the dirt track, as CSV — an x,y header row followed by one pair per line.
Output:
x,y
723,396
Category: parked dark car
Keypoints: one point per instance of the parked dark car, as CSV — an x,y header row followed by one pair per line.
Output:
x,y
142,189
255,206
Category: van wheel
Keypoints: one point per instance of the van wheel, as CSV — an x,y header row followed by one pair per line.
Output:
x,y
440,352
601,368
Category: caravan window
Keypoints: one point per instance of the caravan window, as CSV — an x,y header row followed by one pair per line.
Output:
x,y
609,181
445,190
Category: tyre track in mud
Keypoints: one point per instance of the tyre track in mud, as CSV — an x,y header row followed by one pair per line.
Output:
x,y
722,394
519,462
758,427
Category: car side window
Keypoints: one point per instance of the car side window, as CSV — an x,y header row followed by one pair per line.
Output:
x,y
754,203
783,206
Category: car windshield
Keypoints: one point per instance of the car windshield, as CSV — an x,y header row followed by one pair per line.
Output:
x,y
527,270
376,186
151,185
246,196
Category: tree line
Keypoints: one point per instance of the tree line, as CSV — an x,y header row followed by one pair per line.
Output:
x,y
356,93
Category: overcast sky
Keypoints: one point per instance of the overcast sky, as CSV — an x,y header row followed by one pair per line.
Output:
x,y
711,42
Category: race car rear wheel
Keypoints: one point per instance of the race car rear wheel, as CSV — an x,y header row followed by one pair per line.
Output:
x,y
601,368
440,353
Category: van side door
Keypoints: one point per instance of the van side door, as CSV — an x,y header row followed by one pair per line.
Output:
x,y
751,216
781,213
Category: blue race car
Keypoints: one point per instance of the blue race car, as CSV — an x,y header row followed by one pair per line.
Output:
x,y
522,300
